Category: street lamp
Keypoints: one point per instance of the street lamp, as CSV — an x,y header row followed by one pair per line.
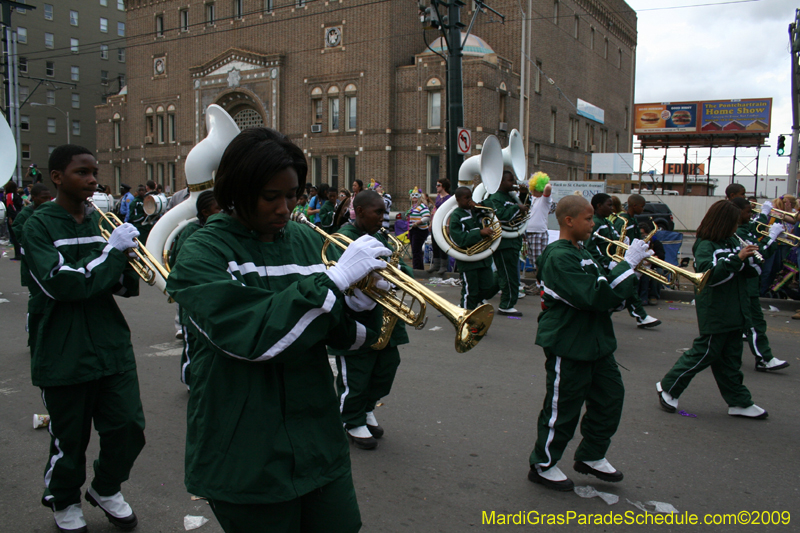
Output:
x,y
66,114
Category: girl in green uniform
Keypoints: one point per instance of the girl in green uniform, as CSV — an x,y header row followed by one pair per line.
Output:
x,y
264,443
723,313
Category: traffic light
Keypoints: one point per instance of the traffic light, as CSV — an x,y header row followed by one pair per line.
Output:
x,y
781,144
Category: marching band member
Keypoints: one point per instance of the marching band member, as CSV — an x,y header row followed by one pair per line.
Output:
x,y
365,374
577,335
627,220
83,359
506,257
328,211
603,207
465,231
757,334
723,312
265,443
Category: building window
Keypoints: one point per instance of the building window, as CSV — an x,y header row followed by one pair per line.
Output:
x,y
432,171
502,108
536,153
316,110
160,174
160,128
591,39
316,171
73,18
121,55
603,141
50,68
159,25
121,29
435,109
333,109
73,45
619,57
627,117
22,65
76,101
22,35
50,150
171,177
576,33
333,172
555,12
26,151
574,124
149,172
117,134
75,73
50,97
616,146
553,116
24,92
184,17
22,10
210,13
268,6
51,125
24,122
103,25
121,5
350,104
117,177
76,127
48,12
104,3
103,77
605,48
350,168
238,8
103,51
537,78
121,79
48,40
300,3
171,132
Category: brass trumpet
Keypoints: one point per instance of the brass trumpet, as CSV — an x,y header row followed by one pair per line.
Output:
x,y
470,326
782,214
699,280
145,264
744,243
784,237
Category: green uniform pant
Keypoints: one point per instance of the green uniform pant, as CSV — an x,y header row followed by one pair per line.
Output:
x,y
332,508
188,341
635,308
363,380
507,276
570,385
113,404
723,353
757,335
476,286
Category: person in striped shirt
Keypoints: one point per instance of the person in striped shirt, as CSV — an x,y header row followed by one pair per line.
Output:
x,y
418,217
83,358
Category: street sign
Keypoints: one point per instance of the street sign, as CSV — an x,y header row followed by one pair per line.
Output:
x,y
464,141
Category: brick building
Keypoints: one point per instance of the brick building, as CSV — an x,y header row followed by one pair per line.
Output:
x,y
353,83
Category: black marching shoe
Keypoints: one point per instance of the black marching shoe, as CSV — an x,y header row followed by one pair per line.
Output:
x,y
362,438
562,485
593,468
116,508
372,425
771,365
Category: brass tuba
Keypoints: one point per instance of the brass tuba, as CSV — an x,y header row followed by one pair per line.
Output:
x,y
470,326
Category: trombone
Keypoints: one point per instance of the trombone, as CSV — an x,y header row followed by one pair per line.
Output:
x,y
784,237
470,326
698,280
782,214
145,264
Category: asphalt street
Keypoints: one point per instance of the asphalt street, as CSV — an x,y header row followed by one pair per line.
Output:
x,y
459,430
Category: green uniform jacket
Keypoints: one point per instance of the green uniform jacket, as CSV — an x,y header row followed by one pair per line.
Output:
x,y
596,246
631,226
766,247
19,231
399,334
185,233
263,422
724,304
465,231
82,335
579,297
505,207
326,214
136,210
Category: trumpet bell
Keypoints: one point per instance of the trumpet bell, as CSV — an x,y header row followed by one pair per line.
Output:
x,y
472,327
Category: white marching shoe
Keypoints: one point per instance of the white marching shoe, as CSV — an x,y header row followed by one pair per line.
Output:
x,y
649,322
668,403
71,519
116,508
753,411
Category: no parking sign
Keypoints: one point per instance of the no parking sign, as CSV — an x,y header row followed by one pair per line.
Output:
x,y
464,141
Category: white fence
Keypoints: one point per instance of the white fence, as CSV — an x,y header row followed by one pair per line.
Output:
x,y
687,211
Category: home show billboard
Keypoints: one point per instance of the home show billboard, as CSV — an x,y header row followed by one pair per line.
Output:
x,y
716,117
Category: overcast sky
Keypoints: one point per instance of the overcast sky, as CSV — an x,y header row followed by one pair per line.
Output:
x,y
719,50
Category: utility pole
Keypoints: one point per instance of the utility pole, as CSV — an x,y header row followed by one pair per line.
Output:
x,y
794,42
5,10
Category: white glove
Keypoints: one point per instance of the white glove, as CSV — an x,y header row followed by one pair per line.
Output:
x,y
626,240
359,301
775,230
357,261
381,283
124,237
637,252
766,208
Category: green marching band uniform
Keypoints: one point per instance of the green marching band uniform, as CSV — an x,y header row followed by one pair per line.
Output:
x,y
366,375
326,217
506,257
188,333
596,246
263,313
83,359
36,298
577,335
476,276
138,218
635,307
757,333
723,313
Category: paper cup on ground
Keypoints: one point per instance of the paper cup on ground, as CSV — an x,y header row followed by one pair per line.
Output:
x,y
41,421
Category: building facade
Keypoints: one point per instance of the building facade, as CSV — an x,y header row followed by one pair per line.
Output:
x,y
71,56
356,86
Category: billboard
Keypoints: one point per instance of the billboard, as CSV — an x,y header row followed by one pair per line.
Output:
x,y
717,117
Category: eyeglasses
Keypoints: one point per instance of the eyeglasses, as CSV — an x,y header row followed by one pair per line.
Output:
x,y
438,185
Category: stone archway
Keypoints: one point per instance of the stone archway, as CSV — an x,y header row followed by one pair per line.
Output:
x,y
244,107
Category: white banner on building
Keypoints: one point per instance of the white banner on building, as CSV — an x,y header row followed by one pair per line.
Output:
x,y
587,189
612,163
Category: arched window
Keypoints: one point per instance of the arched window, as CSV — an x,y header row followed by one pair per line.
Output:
x,y
171,131
350,106
116,119
434,88
333,108
316,105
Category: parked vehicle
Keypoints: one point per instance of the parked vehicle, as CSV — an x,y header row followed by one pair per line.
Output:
x,y
657,212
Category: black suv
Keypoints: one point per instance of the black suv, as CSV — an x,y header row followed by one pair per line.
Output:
x,y
659,213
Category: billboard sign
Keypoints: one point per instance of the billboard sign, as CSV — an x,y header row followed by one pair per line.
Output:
x,y
718,117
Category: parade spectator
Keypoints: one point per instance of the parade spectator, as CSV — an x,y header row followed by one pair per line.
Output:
x,y
440,261
125,201
302,205
14,205
315,204
418,217
536,232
